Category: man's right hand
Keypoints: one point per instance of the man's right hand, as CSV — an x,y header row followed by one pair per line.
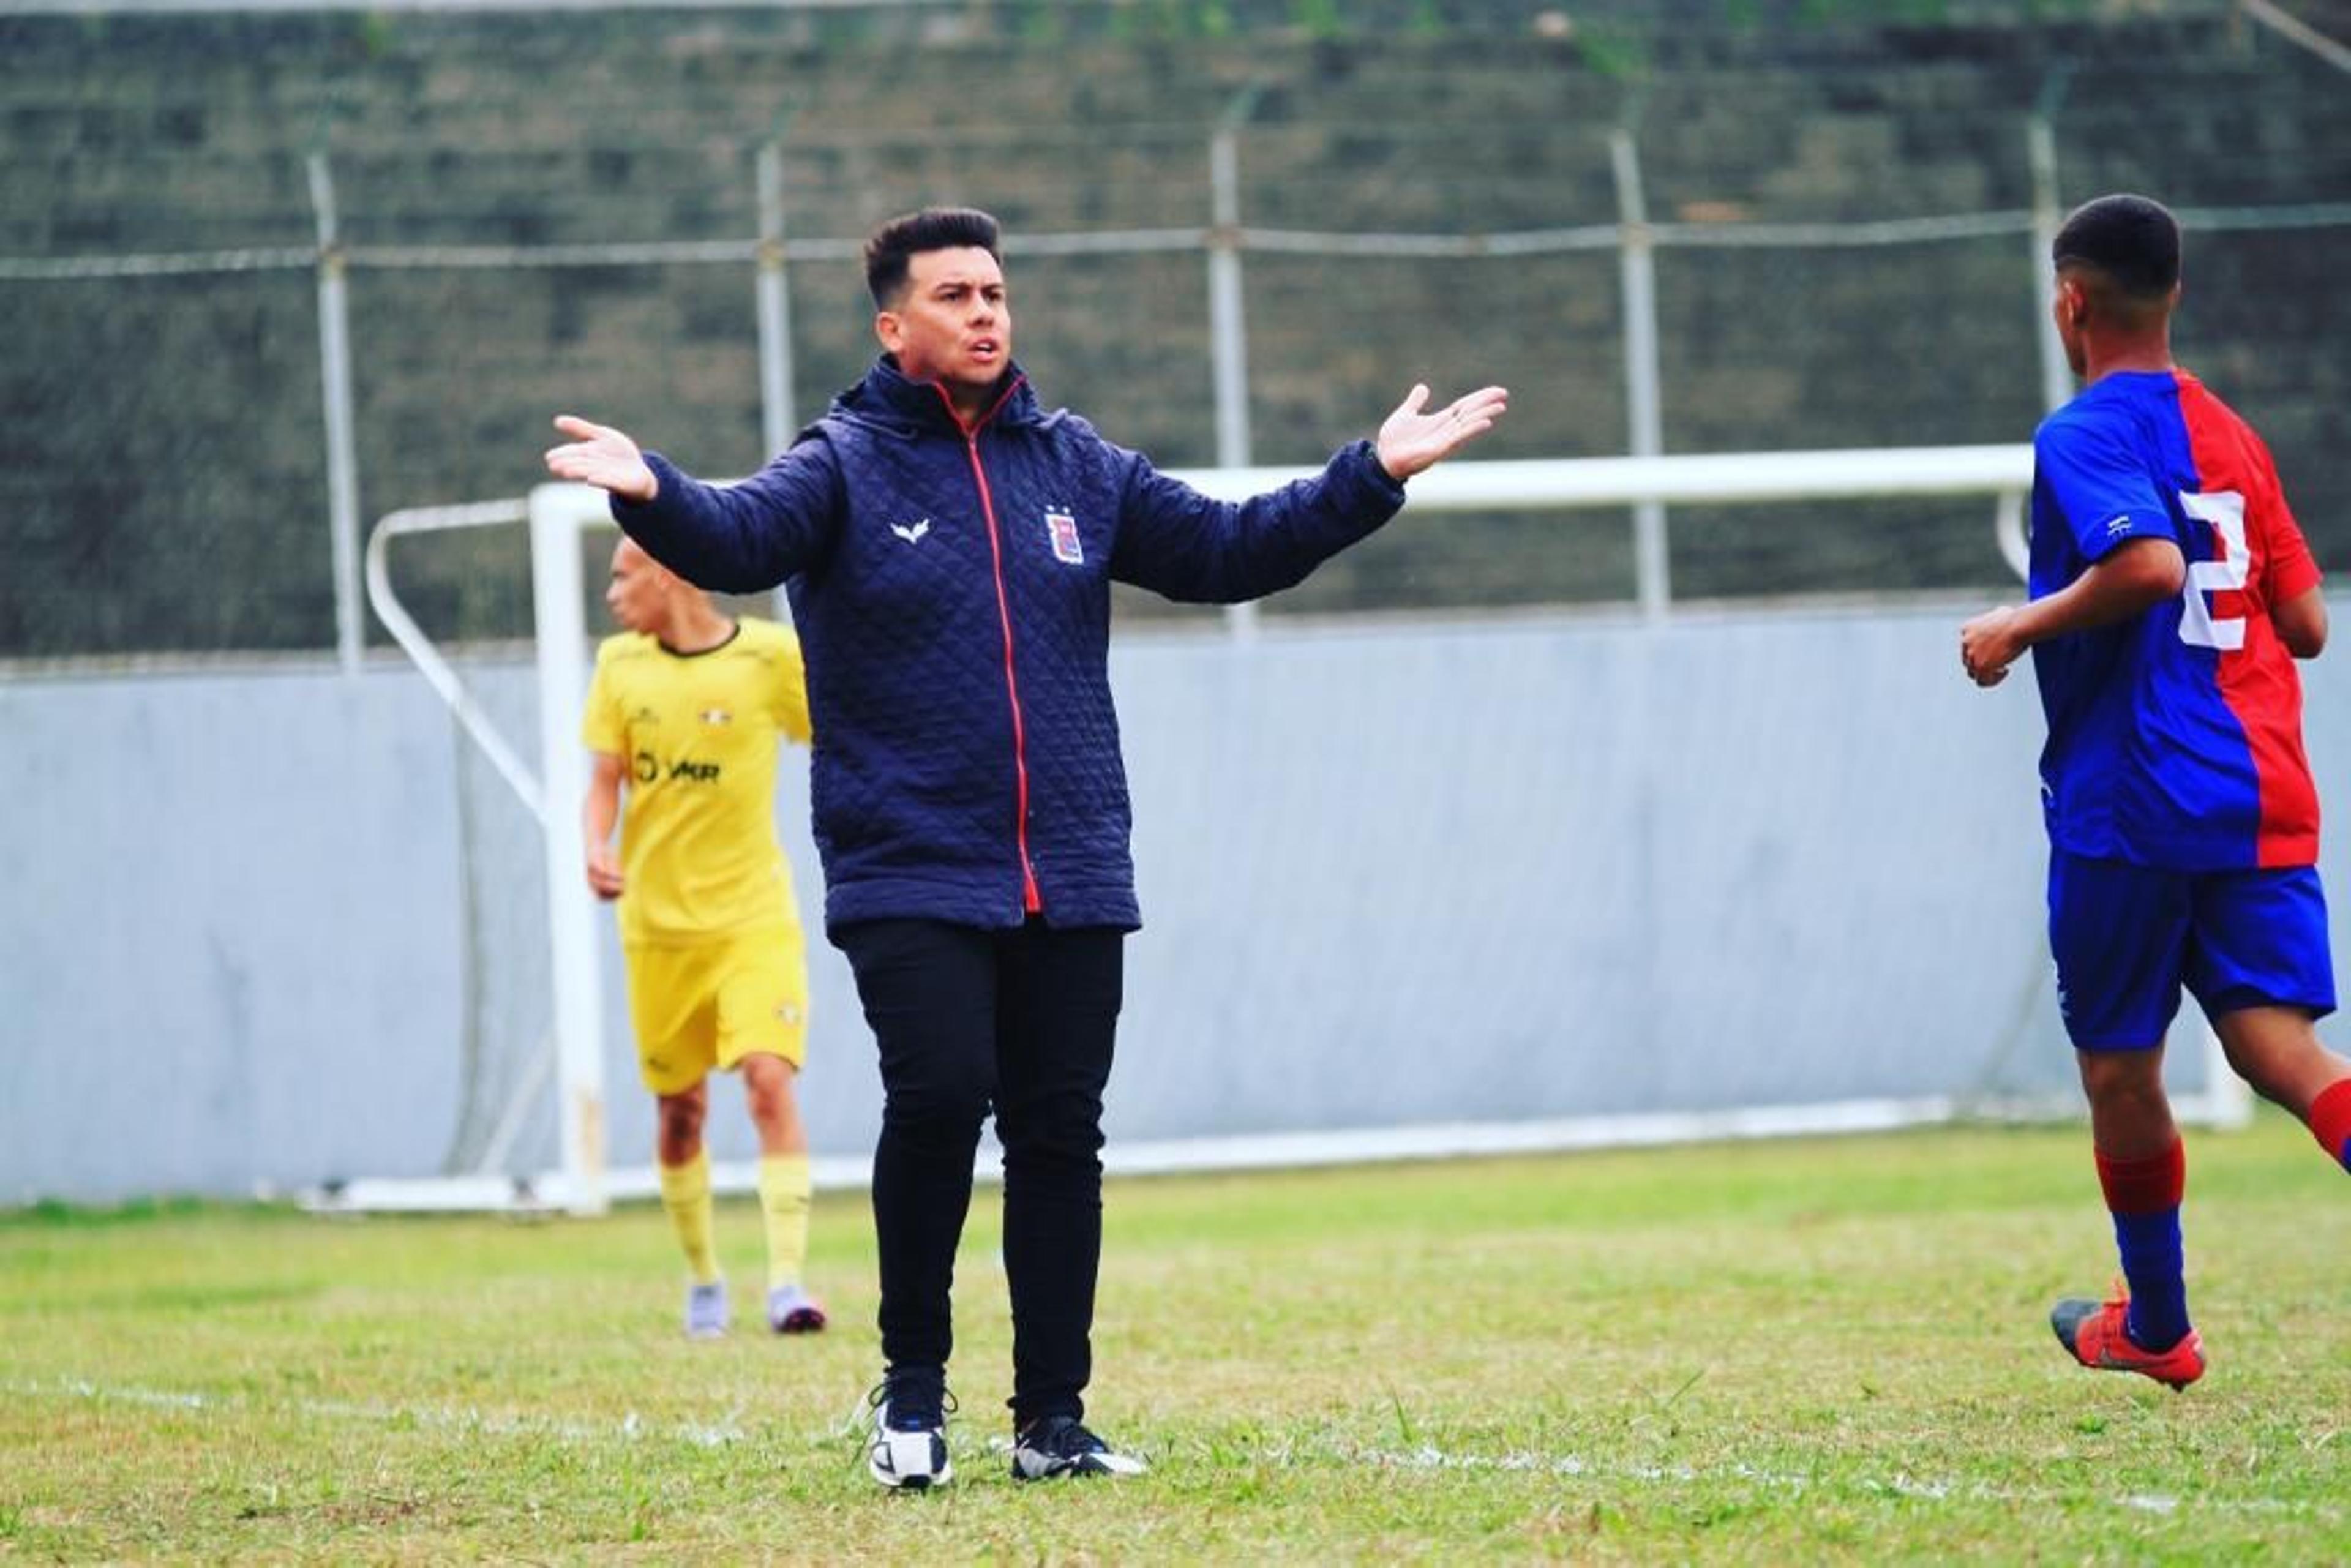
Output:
x,y
600,456
604,872
1989,645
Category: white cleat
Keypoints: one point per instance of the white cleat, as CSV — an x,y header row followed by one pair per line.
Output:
x,y
706,1310
1055,1446
909,1450
791,1310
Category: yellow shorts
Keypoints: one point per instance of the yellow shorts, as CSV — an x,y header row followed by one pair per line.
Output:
x,y
712,1004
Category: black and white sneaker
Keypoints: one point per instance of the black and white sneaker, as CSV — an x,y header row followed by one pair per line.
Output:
x,y
1061,1446
909,1448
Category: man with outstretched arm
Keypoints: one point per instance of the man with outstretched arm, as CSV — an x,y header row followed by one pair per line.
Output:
x,y
949,543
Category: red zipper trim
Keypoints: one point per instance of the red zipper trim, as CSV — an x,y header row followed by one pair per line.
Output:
x,y
1032,901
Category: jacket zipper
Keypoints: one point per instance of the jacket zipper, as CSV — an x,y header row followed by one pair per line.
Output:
x,y
1032,901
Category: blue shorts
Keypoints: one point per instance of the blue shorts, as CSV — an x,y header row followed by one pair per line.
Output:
x,y
2127,937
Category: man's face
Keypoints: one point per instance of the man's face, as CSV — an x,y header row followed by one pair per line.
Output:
x,y
952,324
638,595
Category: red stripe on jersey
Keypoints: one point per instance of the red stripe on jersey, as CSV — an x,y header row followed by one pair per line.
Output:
x,y
2257,680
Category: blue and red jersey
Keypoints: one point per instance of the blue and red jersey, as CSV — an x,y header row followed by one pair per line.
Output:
x,y
2175,736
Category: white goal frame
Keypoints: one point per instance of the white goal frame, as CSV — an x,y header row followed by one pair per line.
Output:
x,y
558,513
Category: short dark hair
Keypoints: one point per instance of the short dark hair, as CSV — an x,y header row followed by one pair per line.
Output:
x,y
889,248
2134,241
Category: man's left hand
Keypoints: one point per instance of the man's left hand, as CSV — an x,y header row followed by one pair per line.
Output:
x,y
1411,439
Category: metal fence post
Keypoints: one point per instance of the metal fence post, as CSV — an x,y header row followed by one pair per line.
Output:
x,y
335,384
2041,144
777,419
1651,566
1227,330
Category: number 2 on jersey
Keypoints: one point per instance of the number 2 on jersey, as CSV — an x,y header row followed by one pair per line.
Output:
x,y
2225,511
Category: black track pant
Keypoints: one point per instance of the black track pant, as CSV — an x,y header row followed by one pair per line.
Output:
x,y
1022,1021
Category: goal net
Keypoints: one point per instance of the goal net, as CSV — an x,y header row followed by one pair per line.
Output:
x,y
1413,887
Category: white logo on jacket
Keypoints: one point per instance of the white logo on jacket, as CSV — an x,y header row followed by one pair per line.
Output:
x,y
912,532
1062,529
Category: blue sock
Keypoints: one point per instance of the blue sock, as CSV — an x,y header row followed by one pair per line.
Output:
x,y
2150,1244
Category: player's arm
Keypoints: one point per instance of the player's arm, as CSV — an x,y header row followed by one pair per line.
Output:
x,y
739,537
791,703
2135,575
2301,623
2290,577
600,813
1177,542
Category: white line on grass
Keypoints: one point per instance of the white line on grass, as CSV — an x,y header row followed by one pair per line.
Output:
x,y
631,1428
1428,1458
470,1419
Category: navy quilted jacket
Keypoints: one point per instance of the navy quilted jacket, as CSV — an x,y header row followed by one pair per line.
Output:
x,y
951,588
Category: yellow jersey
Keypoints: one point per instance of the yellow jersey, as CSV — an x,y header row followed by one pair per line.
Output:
x,y
697,734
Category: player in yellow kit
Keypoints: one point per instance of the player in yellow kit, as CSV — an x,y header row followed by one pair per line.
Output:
x,y
684,717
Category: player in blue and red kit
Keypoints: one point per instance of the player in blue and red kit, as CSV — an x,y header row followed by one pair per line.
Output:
x,y
2171,592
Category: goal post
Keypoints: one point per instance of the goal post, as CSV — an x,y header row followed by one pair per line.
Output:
x,y
571,1052
557,515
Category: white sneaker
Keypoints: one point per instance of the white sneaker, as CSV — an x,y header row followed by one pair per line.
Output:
x,y
1061,1446
707,1312
791,1310
910,1438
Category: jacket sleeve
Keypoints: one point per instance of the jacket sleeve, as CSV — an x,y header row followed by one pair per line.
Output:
x,y
745,537
1177,542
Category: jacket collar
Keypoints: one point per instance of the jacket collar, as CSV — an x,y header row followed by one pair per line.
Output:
x,y
885,397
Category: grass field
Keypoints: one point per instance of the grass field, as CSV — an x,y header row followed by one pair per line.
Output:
x,y
1779,1351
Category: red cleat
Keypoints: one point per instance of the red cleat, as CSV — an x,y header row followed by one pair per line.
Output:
x,y
2098,1335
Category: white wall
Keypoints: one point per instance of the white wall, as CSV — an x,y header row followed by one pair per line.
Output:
x,y
1392,874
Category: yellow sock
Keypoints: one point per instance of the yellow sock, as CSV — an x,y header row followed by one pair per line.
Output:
x,y
784,1201
685,1193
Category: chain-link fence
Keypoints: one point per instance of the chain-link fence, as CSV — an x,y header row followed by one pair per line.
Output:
x,y
263,280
